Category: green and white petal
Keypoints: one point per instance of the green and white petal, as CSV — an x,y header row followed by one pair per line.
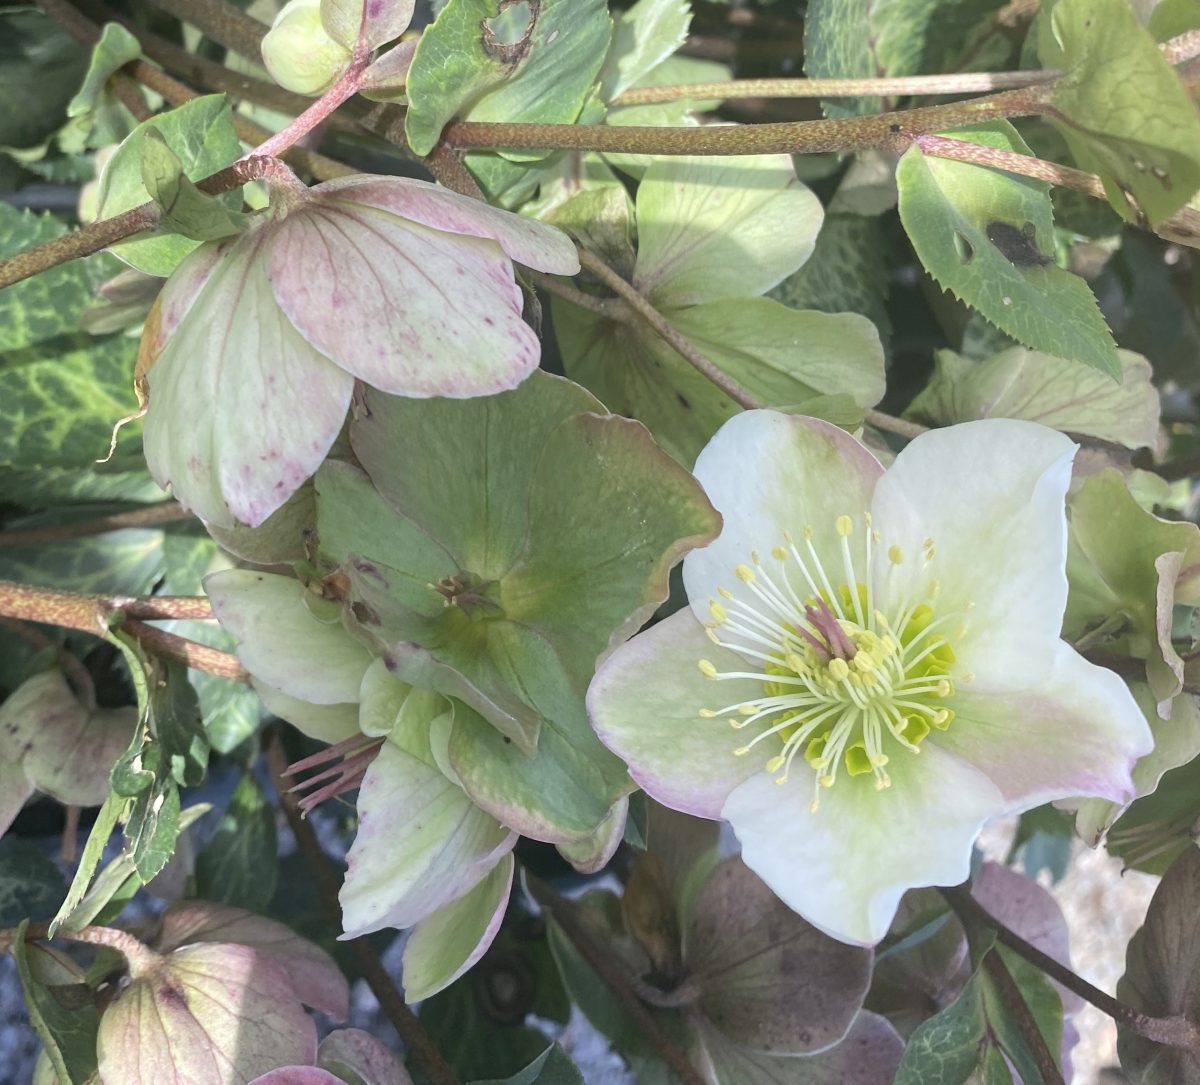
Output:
x,y
227,389
845,867
645,704
444,946
331,723
283,642
1077,731
421,844
771,476
979,509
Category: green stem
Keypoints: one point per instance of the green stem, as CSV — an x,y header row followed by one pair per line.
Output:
x,y
964,83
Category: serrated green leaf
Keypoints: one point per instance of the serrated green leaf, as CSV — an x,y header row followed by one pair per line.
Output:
x,y
643,37
175,722
1122,108
31,886
69,1036
35,52
986,236
93,851
62,389
153,826
116,48
1018,383
483,63
185,209
238,865
201,134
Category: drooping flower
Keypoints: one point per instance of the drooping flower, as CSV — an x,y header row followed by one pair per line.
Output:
x,y
253,350
870,668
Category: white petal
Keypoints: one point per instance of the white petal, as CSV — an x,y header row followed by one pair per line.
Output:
x,y
768,475
242,410
421,843
845,867
282,642
1077,731
645,702
990,495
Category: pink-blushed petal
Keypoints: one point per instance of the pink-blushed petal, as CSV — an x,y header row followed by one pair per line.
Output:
x,y
644,704
845,867
298,1075
444,946
527,241
421,843
409,310
355,1052
990,495
282,642
592,853
242,410
1077,731
770,475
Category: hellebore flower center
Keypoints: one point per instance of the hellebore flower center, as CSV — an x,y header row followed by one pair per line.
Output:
x,y
846,677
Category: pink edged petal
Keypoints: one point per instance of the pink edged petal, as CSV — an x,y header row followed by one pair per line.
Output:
x,y
409,310
298,1075
355,1052
282,643
527,241
448,944
421,843
770,475
845,867
990,495
1077,731
592,853
644,704
242,410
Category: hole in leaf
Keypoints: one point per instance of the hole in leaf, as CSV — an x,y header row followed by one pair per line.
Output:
x,y
507,37
964,248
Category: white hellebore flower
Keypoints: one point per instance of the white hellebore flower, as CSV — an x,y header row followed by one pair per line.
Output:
x,y
870,668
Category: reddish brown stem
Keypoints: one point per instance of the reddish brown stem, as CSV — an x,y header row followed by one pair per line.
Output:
x,y
151,516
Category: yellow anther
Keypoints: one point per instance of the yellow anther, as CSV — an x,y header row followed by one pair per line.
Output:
x,y
967,678
826,781
935,586
895,554
725,593
707,669
796,662
712,635
747,709
745,574
776,763
788,538
927,544
883,782
780,553
870,679
838,669
945,688
808,533
844,526
867,519
879,760
814,806
865,661
929,552
707,714
941,718
717,611
737,725
754,557
888,647
875,536
741,751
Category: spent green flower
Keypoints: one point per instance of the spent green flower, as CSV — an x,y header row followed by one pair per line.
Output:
x,y
870,668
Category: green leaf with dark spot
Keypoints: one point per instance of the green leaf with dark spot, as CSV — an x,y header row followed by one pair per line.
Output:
x,y
238,865
986,236
535,62
62,389
31,886
68,1035
1122,108
201,134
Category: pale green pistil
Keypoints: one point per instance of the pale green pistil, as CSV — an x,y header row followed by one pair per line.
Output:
x,y
843,681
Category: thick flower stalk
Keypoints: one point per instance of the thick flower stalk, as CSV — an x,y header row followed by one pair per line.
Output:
x,y
254,348
870,668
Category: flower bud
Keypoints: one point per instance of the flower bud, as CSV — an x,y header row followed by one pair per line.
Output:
x,y
299,52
